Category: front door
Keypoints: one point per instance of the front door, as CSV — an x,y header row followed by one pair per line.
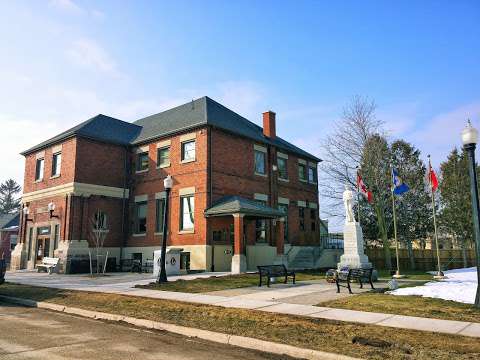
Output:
x,y
43,249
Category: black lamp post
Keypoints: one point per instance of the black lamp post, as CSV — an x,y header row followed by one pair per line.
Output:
x,y
470,139
162,275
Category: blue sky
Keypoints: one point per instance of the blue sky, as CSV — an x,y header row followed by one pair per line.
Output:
x,y
64,61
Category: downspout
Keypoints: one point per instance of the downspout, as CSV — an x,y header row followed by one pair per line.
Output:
x,y
124,237
210,190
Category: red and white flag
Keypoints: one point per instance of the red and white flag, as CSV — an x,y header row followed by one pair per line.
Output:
x,y
432,178
362,188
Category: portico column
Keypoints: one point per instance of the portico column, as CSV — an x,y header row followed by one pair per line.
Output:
x,y
281,258
280,236
239,260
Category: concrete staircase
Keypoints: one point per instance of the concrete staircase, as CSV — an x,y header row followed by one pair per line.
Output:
x,y
303,257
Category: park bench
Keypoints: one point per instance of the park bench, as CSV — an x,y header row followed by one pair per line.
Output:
x,y
130,265
48,264
273,271
346,275
3,269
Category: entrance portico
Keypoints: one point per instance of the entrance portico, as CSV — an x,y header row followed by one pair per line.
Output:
x,y
244,210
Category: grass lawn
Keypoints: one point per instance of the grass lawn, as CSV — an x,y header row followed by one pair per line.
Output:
x,y
319,334
407,305
215,283
411,274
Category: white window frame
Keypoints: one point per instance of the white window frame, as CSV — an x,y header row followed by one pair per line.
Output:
x,y
56,165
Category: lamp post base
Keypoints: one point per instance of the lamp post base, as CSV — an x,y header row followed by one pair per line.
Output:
x,y
398,275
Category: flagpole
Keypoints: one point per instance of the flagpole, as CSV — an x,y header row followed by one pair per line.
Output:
x,y
358,199
397,274
440,274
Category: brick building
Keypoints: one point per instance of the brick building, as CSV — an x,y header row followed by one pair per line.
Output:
x,y
241,196
8,234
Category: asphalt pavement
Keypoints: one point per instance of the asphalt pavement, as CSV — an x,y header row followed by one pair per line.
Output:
x,y
31,333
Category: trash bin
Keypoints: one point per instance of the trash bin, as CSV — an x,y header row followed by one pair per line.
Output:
x,y
172,265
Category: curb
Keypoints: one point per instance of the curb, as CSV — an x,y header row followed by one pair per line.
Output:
x,y
234,340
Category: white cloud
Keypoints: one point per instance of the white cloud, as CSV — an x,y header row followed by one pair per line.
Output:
x,y
89,54
66,5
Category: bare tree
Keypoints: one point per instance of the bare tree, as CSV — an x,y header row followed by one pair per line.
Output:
x,y
343,150
99,234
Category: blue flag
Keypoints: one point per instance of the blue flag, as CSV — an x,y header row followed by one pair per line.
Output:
x,y
399,187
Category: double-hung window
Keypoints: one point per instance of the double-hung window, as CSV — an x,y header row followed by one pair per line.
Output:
x,y
301,217
282,168
39,169
313,216
260,163
261,227
188,151
312,175
302,172
163,157
56,164
141,217
160,214
284,208
187,212
142,161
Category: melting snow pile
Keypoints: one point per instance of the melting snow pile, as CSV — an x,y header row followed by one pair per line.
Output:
x,y
460,285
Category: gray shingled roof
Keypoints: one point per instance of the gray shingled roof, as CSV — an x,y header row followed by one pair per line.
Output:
x,y
9,220
194,114
205,111
100,127
229,205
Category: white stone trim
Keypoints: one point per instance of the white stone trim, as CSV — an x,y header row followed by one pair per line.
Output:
x,y
187,137
260,148
261,197
161,195
75,188
301,161
282,155
187,191
141,198
40,155
301,203
313,205
57,149
284,201
142,149
164,144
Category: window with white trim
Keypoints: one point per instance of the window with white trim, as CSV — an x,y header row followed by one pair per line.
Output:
x,y
163,156
302,172
282,168
260,162
142,161
141,217
312,175
56,164
39,169
160,214
187,212
188,150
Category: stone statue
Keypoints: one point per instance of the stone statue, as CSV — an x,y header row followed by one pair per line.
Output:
x,y
348,203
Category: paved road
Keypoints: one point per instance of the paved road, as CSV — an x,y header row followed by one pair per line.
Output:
x,y
30,333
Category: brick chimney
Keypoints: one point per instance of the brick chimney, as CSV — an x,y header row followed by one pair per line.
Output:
x,y
269,124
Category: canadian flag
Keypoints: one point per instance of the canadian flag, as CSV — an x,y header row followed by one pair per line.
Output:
x,y
362,188
432,177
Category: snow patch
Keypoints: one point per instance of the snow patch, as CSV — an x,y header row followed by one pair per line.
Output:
x,y
459,285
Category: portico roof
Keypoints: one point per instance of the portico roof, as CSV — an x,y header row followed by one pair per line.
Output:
x,y
230,205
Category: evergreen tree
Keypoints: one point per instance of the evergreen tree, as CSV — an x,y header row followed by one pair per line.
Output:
x,y
413,208
376,173
456,212
9,202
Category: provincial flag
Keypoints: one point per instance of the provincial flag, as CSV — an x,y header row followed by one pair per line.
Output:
x,y
362,188
432,178
399,187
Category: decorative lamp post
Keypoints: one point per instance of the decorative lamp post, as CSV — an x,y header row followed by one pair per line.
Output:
x,y
470,139
162,275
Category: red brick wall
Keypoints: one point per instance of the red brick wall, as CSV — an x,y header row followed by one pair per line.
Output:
x,y
67,171
233,174
99,163
193,174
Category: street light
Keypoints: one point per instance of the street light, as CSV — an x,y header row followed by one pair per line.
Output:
x,y
162,275
51,209
470,139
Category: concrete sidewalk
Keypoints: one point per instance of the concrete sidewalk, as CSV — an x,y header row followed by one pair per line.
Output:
x,y
274,299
